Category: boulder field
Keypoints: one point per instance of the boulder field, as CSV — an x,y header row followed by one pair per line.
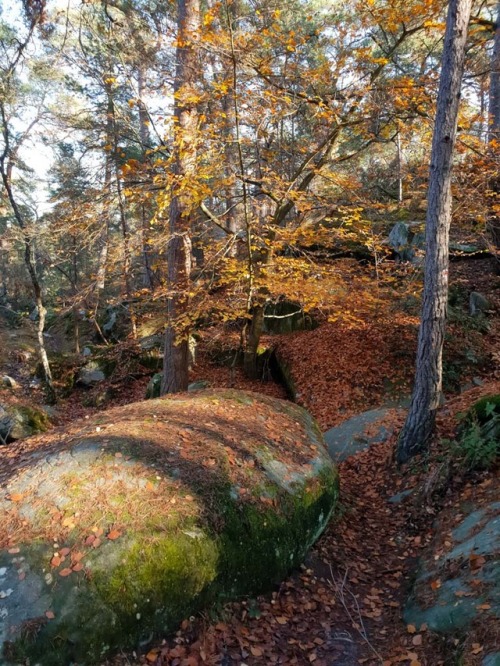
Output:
x,y
116,528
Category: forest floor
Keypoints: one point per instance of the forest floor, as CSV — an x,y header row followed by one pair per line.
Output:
x,y
344,606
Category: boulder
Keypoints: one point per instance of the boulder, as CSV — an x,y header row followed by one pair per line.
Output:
x,y
9,382
400,241
18,421
405,241
478,304
357,434
154,386
286,317
198,385
131,521
152,342
467,568
90,374
95,371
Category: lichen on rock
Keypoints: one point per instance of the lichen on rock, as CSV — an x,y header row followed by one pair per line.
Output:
x,y
119,527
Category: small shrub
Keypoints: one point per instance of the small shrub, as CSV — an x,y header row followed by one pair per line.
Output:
x,y
478,450
478,441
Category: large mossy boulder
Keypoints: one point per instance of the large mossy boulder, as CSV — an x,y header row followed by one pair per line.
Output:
x,y
18,421
119,527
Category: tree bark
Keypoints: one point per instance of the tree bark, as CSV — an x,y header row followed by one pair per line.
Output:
x,y
494,139
103,240
148,278
176,357
29,260
420,421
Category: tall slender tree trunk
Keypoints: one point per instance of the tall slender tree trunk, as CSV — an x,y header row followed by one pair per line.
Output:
x,y
426,395
399,151
127,254
103,242
176,357
29,260
494,140
148,279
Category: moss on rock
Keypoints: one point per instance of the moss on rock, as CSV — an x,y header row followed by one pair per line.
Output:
x,y
157,509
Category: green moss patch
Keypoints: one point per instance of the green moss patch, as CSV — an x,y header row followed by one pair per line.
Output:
x,y
119,527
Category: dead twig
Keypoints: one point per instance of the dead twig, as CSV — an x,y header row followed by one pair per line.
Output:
x,y
341,591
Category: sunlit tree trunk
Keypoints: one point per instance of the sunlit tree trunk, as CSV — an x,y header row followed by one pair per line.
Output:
x,y
176,357
127,254
103,240
145,222
29,260
428,377
494,138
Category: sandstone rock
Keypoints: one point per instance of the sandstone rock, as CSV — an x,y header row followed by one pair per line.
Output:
x,y
150,512
19,421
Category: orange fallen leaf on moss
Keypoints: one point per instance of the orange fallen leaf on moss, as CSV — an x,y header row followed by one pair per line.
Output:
x,y
114,534
65,572
152,655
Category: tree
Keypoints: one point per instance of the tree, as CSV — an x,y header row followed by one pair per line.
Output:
x,y
186,96
12,96
426,395
494,136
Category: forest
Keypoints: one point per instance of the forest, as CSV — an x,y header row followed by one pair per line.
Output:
x,y
249,332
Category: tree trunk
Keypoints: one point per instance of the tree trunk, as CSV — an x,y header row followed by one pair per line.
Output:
x,y
103,241
127,254
250,355
399,167
29,260
428,377
494,139
176,357
148,279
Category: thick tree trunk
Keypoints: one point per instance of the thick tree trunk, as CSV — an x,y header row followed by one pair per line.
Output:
x,y
252,343
428,377
176,357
